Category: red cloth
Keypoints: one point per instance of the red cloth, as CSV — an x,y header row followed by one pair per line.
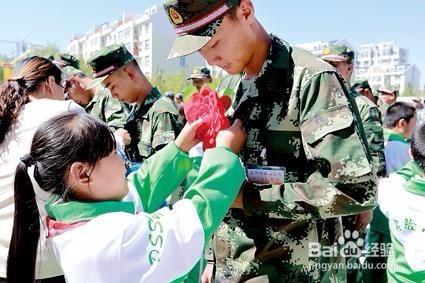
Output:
x,y
210,108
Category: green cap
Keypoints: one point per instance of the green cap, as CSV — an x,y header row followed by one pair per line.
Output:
x,y
200,73
361,86
108,60
70,60
70,71
338,53
385,91
195,22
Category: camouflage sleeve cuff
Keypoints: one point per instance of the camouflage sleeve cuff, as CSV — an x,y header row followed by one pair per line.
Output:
x,y
162,137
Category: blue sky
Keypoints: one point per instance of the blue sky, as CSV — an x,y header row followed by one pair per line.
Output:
x,y
361,21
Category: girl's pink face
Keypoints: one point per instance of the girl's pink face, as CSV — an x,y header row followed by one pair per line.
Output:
x,y
107,179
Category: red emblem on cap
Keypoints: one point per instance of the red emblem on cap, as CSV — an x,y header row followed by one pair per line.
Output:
x,y
175,16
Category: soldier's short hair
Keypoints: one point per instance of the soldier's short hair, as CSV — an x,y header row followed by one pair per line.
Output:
x,y
418,145
398,111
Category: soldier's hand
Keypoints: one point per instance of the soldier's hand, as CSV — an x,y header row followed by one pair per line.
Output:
x,y
124,135
363,219
238,203
233,137
187,138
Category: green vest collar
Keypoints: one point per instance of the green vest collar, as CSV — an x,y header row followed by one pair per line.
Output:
x,y
75,211
392,136
413,174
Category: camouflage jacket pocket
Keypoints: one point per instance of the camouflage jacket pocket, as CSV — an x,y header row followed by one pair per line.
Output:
x,y
329,121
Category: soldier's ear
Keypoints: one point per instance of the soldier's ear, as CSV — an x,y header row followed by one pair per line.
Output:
x,y
247,10
129,72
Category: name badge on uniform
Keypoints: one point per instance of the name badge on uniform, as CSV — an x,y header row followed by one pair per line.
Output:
x,y
265,175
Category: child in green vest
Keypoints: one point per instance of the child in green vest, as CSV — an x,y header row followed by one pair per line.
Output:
x,y
104,227
401,197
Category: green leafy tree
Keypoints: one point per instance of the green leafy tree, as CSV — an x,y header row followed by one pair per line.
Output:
x,y
409,91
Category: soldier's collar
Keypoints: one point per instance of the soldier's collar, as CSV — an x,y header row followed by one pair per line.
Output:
x,y
152,97
276,67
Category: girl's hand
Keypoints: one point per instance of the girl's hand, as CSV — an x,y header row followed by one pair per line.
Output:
x,y
187,137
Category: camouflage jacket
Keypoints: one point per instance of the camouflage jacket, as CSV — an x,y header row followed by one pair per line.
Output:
x,y
300,116
372,124
104,107
152,126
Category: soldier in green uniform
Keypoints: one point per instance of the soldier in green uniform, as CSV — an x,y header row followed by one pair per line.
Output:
x,y
97,101
342,57
306,157
154,120
386,99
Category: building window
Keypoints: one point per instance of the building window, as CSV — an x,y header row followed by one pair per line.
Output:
x,y
120,36
147,60
146,27
127,33
147,44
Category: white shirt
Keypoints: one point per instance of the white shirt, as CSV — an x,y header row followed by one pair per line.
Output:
x,y
16,144
122,247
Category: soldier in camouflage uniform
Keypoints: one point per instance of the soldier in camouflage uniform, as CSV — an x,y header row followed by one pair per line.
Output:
x,y
301,120
97,101
341,57
154,120
386,99
372,122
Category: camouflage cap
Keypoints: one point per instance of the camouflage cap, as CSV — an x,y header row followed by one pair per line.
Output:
x,y
108,60
195,22
70,71
338,53
385,91
70,60
362,85
200,73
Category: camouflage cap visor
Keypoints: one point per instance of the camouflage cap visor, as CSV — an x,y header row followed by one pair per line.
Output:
x,y
195,35
187,44
96,82
70,71
334,58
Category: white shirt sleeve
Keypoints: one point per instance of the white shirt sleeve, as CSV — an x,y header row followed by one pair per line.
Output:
x,y
121,247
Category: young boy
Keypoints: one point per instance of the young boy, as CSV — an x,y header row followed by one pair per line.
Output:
x,y
401,197
400,120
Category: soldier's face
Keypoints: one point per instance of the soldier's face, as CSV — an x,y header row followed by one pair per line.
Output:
x,y
232,46
77,93
121,86
199,83
388,98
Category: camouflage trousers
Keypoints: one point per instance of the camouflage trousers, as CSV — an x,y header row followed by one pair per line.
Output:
x,y
263,249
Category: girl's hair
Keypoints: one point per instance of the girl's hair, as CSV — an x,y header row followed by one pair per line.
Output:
x,y
57,144
26,79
